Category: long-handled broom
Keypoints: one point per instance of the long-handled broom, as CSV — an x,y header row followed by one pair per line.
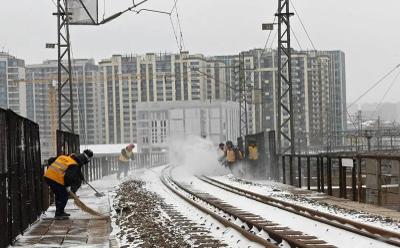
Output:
x,y
98,194
84,207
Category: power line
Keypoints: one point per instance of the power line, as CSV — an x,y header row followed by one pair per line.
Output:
x,y
374,85
266,43
295,37
302,24
273,40
54,2
212,77
174,6
180,41
180,28
176,36
80,114
387,91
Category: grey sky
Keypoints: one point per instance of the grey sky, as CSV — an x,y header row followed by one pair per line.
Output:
x,y
366,30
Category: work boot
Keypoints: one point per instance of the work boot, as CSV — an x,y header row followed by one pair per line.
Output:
x,y
61,216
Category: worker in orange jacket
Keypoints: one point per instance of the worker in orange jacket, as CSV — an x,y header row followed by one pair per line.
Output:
x,y
62,172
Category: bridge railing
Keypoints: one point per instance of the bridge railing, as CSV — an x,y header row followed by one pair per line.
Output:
x,y
21,180
363,177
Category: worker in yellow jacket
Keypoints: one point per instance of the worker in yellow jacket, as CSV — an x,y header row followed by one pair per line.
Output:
x,y
232,155
253,156
123,160
62,172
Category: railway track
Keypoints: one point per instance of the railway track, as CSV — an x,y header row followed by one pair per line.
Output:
x,y
253,227
369,231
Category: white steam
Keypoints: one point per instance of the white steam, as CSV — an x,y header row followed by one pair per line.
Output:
x,y
198,156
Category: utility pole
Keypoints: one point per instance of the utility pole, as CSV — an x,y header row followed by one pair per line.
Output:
x,y
285,120
243,125
65,96
75,13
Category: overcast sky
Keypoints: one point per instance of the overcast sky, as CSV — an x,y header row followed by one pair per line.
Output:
x,y
366,30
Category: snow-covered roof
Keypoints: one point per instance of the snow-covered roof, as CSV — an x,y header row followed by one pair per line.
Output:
x,y
106,149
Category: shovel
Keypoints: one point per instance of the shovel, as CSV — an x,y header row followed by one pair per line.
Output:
x,y
98,194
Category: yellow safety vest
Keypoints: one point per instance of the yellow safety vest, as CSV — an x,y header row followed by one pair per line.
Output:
x,y
123,158
56,170
253,153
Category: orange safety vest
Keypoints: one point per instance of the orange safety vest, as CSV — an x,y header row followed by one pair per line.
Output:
x,y
253,153
230,155
122,158
56,170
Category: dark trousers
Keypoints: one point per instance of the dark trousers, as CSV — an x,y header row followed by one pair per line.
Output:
x,y
254,168
75,188
122,167
61,195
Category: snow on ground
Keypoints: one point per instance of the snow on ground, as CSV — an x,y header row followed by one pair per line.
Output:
x,y
282,192
332,235
196,156
141,219
81,230
229,236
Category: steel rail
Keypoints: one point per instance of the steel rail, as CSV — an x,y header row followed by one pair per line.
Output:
x,y
226,223
368,231
275,231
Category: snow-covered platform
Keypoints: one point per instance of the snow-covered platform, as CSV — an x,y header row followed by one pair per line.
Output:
x,y
82,229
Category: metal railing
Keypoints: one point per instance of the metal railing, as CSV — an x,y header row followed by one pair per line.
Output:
x,y
363,177
21,181
104,165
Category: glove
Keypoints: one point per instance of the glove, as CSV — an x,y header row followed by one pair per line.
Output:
x,y
88,153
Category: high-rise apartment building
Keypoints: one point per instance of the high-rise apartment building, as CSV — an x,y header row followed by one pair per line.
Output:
x,y
127,80
12,83
319,93
106,95
42,101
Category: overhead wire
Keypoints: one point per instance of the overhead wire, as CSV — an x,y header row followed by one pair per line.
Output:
x,y
175,35
180,41
82,120
269,36
295,37
374,85
104,9
180,28
386,93
302,24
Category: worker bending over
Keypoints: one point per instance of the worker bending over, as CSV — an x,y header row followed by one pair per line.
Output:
x,y
232,155
123,160
62,172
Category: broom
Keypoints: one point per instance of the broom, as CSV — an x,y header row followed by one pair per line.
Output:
x,y
85,208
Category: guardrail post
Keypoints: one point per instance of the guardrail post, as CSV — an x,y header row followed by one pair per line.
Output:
x,y
329,175
318,174
359,180
340,178
322,175
354,180
344,183
379,169
308,174
291,176
299,171
283,169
